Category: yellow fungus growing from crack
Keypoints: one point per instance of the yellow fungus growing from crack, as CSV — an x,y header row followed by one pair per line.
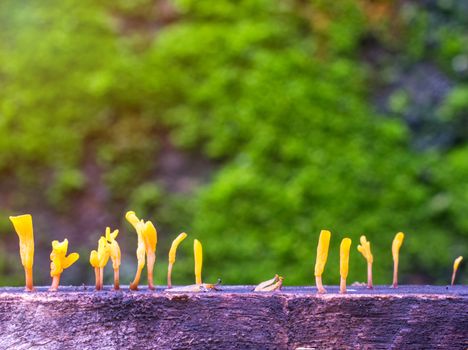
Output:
x,y
198,256
103,255
172,256
365,249
321,260
24,229
396,245
147,241
344,263
456,263
94,261
60,261
115,254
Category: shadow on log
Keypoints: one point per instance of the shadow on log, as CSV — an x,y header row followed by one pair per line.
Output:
x,y
236,318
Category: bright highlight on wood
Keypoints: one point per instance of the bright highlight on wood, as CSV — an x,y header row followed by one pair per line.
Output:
x,y
456,263
24,229
172,256
115,255
198,256
344,263
396,245
365,249
60,261
147,241
321,260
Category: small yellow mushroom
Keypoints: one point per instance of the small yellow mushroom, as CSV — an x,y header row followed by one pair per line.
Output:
x,y
396,245
198,256
456,263
103,255
365,249
60,261
344,263
24,229
115,255
321,260
94,261
172,256
147,241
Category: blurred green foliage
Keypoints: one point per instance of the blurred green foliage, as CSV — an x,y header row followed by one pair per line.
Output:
x,y
274,93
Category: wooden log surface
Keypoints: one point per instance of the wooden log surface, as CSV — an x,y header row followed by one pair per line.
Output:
x,y
410,317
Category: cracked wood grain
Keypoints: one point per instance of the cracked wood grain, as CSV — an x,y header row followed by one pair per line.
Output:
x,y
235,318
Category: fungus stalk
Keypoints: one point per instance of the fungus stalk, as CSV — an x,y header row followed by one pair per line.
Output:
x,y
396,245
94,261
172,256
103,254
456,263
344,263
365,249
147,241
24,229
60,261
115,255
198,256
321,260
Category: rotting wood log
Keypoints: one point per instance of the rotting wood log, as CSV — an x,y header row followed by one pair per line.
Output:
x,y
410,317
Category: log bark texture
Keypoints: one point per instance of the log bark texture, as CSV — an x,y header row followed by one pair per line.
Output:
x,y
235,318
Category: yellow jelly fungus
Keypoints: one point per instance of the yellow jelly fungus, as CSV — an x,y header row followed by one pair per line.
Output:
x,y
344,263
147,241
150,237
24,229
456,263
321,260
365,249
60,261
103,255
94,261
198,256
396,245
115,254
172,256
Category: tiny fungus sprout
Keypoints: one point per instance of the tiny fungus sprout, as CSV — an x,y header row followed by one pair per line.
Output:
x,y
172,257
198,256
114,251
365,249
344,263
60,261
396,245
94,261
147,241
321,260
196,288
456,263
24,229
271,285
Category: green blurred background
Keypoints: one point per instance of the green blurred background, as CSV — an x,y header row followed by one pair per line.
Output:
x,y
249,124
